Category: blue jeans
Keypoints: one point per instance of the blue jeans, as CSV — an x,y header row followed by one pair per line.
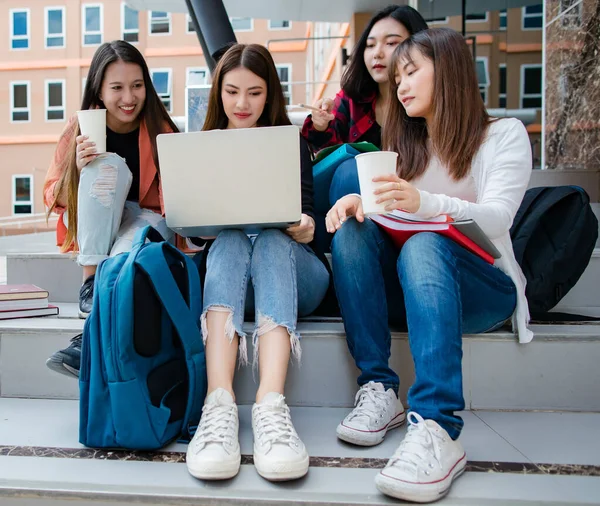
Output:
x,y
344,182
273,277
437,289
106,221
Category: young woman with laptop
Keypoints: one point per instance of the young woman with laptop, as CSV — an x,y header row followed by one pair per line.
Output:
x,y
274,276
454,160
104,197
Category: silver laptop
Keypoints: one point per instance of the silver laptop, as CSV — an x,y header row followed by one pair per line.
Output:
x,y
246,179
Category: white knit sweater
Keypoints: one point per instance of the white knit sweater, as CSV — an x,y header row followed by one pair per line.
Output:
x,y
501,170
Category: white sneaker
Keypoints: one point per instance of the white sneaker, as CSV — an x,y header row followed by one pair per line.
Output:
x,y
424,465
376,412
279,454
214,452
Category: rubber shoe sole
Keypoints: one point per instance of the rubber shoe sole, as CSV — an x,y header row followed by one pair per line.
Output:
x,y
281,471
368,438
56,364
214,470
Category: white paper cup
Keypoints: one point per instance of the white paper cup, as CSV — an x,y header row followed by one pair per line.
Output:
x,y
93,124
369,165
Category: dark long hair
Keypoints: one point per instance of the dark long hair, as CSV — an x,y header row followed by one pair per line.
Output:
x,y
258,60
460,119
153,113
357,83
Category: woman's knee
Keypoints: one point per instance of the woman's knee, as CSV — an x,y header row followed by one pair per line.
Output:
x,y
422,250
101,178
271,243
229,243
352,234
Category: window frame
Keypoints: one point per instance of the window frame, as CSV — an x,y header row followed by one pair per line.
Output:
x,y
161,34
486,88
12,107
47,107
438,21
288,96
196,69
503,14
11,33
84,30
575,12
522,94
500,94
31,200
124,30
188,22
484,20
169,72
251,29
47,35
525,15
282,28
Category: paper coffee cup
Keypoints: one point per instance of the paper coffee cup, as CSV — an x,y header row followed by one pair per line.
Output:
x,y
369,165
93,124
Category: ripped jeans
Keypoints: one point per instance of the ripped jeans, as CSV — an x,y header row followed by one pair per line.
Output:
x,y
107,222
275,277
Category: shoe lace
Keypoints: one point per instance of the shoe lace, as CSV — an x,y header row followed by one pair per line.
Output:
x,y
417,450
368,402
274,425
216,424
76,341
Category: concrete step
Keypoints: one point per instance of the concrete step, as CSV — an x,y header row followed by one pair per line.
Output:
x,y
510,462
557,371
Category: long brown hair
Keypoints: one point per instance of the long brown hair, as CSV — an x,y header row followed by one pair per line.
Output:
x,y
460,119
154,115
258,60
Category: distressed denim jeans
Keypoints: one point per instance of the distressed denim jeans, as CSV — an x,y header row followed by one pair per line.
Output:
x,y
271,277
107,222
433,286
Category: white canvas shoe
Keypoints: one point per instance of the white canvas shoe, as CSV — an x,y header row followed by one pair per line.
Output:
x,y
425,464
279,454
214,452
376,411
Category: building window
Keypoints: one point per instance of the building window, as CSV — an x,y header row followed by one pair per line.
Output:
x,y
438,21
503,19
196,76
160,22
477,18
55,100
533,17
20,102
285,76
483,78
189,23
130,24
92,22
502,86
22,194
242,24
54,27
161,78
280,25
19,29
572,18
83,83
531,86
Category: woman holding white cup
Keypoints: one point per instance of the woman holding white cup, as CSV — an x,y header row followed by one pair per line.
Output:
x,y
103,180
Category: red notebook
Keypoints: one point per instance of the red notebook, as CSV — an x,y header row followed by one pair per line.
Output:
x,y
21,292
401,226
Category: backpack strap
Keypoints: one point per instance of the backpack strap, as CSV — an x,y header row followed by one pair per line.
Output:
x,y
155,265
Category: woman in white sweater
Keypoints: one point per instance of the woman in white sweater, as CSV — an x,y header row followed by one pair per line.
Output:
x,y
454,160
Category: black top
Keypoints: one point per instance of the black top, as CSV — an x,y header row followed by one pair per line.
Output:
x,y
306,179
127,147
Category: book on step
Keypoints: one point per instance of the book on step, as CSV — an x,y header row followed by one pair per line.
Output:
x,y
401,225
29,313
21,292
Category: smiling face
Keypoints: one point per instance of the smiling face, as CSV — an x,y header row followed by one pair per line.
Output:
x,y
124,93
383,38
244,95
415,80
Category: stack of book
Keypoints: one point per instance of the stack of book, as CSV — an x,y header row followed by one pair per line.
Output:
x,y
24,301
401,225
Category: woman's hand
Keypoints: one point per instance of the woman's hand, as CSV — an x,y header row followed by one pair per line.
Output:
x,y
344,208
322,117
85,151
400,193
304,231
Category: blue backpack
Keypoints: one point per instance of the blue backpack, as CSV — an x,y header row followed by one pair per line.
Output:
x,y
143,374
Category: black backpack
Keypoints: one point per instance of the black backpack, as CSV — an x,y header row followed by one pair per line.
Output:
x,y
553,234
